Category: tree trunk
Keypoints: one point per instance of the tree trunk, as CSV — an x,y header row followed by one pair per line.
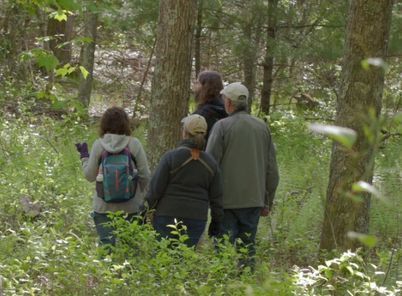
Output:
x,y
61,32
87,57
12,25
252,35
361,94
171,80
249,61
269,57
197,45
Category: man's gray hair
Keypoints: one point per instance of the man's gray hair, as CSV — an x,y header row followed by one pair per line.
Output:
x,y
240,105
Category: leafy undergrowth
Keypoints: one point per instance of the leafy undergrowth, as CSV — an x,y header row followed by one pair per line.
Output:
x,y
48,241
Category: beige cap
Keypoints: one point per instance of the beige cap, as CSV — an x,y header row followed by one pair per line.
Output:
x,y
195,124
235,92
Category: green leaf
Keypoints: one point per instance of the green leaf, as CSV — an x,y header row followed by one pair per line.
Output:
x,y
376,62
366,239
362,186
350,269
329,273
65,70
84,72
45,59
343,135
61,72
41,94
60,15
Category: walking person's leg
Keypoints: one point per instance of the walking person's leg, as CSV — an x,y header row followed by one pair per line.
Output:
x,y
230,224
160,224
104,230
248,224
195,228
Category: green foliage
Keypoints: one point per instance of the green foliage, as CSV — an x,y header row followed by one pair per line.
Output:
x,y
346,275
54,252
42,57
345,136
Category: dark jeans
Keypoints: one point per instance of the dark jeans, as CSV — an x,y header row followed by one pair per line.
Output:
x,y
242,224
104,230
195,228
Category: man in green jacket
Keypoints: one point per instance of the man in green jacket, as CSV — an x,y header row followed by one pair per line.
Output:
x,y
243,147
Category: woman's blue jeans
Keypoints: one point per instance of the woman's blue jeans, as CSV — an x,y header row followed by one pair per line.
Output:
x,y
105,230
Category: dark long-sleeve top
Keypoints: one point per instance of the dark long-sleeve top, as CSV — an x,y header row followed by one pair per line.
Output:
x,y
212,111
188,191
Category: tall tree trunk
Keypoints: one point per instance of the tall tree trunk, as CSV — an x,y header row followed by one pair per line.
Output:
x,y
252,35
87,57
13,23
171,80
61,32
269,57
249,60
197,41
361,93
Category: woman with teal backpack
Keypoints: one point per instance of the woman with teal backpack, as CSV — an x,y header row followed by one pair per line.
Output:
x,y
118,164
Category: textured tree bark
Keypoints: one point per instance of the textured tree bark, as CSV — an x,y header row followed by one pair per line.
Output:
x,y
87,57
61,32
361,94
251,28
197,41
249,59
269,57
12,26
171,79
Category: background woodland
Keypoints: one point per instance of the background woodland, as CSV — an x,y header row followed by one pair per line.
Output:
x,y
326,77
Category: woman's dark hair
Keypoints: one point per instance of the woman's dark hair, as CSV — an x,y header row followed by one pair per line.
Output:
x,y
211,85
115,121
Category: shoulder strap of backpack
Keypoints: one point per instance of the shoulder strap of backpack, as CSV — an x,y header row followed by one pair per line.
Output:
x,y
195,155
125,151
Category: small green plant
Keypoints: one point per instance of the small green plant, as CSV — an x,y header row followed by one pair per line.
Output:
x,y
347,275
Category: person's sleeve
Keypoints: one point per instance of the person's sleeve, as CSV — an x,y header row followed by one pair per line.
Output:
x,y
272,174
216,197
140,157
159,182
90,165
215,142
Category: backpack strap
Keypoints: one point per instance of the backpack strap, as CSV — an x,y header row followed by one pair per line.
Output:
x,y
207,166
126,151
172,172
195,155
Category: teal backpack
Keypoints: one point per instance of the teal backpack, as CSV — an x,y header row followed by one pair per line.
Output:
x,y
117,177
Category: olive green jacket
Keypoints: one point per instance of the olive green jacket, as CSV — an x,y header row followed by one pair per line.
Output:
x,y
243,147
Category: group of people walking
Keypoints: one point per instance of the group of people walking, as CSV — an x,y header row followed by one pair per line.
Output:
x,y
225,162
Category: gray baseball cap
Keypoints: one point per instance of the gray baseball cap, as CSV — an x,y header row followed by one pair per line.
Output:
x,y
235,92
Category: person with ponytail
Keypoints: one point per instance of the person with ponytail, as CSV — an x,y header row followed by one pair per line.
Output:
x,y
186,182
209,101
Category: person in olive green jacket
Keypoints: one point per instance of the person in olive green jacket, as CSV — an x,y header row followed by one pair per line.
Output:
x,y
243,147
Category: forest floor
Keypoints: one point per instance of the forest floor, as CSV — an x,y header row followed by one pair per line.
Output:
x,y
48,240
